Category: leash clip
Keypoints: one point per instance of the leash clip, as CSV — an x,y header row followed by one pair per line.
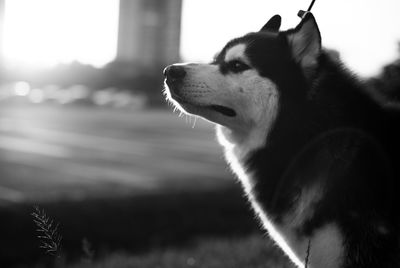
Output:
x,y
301,14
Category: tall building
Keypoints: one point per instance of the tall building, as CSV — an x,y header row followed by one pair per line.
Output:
x,y
1,30
149,32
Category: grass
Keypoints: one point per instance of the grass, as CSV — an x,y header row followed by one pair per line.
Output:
x,y
135,224
48,234
196,229
253,251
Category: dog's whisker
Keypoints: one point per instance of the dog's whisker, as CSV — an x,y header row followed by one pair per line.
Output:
x,y
194,122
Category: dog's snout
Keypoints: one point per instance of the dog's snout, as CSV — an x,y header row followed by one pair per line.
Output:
x,y
174,72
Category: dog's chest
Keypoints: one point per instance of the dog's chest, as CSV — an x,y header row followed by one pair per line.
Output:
x,y
324,247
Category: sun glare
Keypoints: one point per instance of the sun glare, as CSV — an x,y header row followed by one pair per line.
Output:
x,y
43,33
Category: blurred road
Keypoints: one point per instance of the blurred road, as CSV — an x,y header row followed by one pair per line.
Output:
x,y
50,152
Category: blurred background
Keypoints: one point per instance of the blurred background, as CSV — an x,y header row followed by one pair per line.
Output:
x,y
86,135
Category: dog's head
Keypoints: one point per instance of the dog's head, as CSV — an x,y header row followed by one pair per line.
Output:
x,y
244,86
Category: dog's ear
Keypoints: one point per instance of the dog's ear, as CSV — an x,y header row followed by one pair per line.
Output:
x,y
305,43
272,25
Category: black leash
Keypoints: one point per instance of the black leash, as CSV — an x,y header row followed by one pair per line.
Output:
x,y
307,254
302,13
311,5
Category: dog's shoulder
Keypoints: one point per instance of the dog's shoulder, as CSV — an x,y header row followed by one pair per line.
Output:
x,y
339,153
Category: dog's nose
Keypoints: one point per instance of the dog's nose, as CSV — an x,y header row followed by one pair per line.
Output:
x,y
174,72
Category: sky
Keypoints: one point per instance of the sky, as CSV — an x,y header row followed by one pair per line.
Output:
x,y
365,32
47,32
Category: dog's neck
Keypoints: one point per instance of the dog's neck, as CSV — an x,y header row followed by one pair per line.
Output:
x,y
238,145
240,142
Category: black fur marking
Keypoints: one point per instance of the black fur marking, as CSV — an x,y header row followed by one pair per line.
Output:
x,y
224,110
273,24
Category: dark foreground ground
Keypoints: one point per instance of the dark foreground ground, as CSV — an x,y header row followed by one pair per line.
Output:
x,y
128,188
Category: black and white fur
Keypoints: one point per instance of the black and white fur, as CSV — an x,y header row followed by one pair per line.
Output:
x,y
317,155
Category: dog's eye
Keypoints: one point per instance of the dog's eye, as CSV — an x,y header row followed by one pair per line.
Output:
x,y
236,66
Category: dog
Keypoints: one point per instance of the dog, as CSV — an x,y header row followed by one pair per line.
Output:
x,y
316,152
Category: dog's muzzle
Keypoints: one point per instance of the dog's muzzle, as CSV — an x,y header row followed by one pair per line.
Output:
x,y
174,76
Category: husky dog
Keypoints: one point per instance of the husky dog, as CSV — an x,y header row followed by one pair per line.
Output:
x,y
316,153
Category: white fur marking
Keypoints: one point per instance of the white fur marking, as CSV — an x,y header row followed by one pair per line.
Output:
x,y
236,52
304,207
326,247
